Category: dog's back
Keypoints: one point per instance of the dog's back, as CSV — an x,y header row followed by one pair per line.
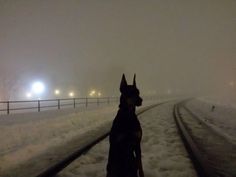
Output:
x,y
125,135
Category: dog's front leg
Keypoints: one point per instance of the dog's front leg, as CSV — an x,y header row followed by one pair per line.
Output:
x,y
139,159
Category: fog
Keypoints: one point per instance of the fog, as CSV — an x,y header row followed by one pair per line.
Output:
x,y
175,47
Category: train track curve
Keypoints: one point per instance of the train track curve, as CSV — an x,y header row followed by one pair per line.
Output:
x,y
212,154
59,166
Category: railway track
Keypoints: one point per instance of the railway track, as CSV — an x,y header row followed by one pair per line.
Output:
x,y
213,155
59,166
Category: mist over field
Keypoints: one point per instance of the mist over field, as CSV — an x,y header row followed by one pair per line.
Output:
x,y
174,47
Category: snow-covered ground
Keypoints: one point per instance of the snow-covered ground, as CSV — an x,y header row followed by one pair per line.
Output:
x,y
31,141
223,100
163,152
24,136
221,118
213,131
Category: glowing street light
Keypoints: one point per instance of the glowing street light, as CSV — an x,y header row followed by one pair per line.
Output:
x,y
38,87
99,94
57,92
71,94
92,93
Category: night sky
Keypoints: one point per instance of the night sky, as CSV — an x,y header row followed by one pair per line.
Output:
x,y
184,46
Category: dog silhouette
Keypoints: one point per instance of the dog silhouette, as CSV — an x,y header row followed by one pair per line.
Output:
x,y
125,136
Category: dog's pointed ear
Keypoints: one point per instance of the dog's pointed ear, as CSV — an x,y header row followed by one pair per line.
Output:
x,y
134,80
123,83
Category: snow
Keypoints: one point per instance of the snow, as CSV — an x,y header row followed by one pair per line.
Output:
x,y
222,100
221,119
162,149
213,134
25,136
30,142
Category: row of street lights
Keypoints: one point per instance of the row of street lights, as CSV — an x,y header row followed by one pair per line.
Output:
x,y
38,88
57,92
94,93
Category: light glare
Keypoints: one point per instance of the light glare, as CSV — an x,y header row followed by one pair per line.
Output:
x,y
38,87
28,95
57,92
71,94
92,93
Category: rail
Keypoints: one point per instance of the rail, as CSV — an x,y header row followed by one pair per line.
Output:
x,y
212,154
56,168
195,154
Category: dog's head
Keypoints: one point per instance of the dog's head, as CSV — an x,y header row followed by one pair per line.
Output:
x,y
129,93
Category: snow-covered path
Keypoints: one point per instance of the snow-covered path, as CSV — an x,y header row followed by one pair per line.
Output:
x,y
164,154
31,142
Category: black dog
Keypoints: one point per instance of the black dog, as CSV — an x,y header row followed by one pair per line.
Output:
x,y
125,152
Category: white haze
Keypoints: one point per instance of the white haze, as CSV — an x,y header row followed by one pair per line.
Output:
x,y
184,46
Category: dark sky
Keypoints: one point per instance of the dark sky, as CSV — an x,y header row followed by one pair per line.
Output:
x,y
182,45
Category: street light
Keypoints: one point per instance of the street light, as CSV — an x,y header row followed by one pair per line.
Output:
x,y
71,94
92,93
99,94
57,92
38,87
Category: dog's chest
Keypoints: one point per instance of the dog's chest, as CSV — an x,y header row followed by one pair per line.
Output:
x,y
128,132
134,130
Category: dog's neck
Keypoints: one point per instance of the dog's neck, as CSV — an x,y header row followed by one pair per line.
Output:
x,y
125,107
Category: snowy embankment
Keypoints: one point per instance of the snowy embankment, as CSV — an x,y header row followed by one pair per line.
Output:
x,y
24,136
163,152
219,115
31,141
